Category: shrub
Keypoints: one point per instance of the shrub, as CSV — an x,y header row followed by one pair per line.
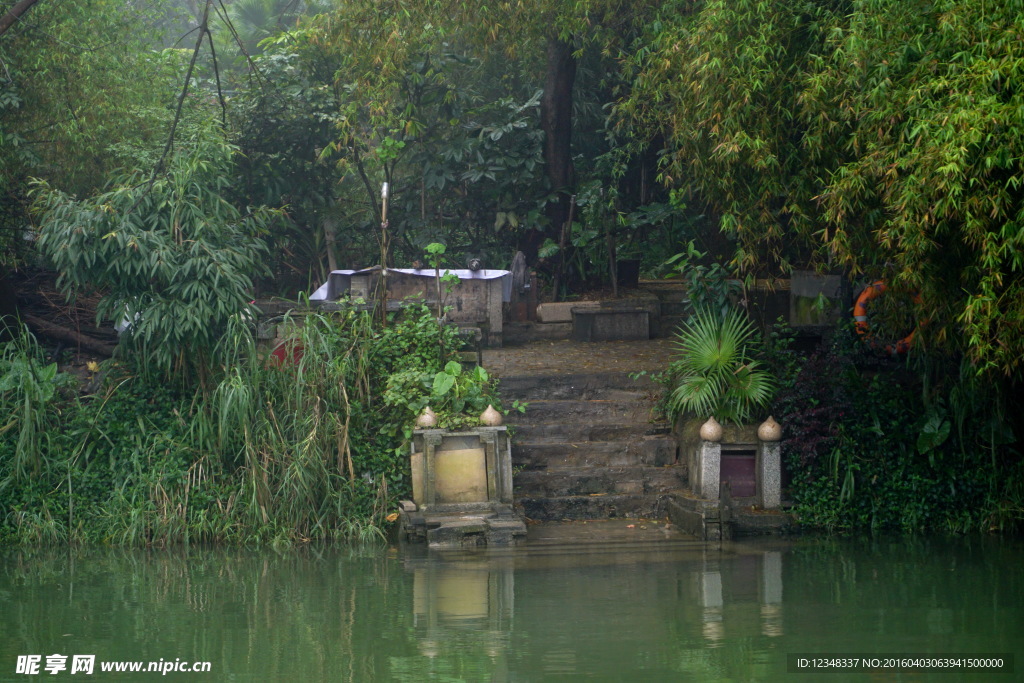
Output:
x,y
172,257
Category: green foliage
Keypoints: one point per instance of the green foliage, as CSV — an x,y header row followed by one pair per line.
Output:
x,y
82,92
172,256
28,388
269,453
866,454
455,395
716,372
883,136
708,288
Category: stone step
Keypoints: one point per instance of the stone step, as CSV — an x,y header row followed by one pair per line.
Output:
x,y
583,386
638,538
547,509
580,481
579,432
551,411
670,324
681,309
514,333
656,451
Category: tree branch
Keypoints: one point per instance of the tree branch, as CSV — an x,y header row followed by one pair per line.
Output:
x,y
203,30
20,7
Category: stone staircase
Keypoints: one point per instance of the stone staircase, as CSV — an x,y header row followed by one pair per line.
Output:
x,y
587,447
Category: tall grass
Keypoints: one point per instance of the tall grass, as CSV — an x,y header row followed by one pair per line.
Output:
x,y
28,385
268,453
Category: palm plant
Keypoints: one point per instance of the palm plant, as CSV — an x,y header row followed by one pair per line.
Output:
x,y
715,372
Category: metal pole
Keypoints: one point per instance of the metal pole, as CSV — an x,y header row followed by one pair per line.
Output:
x,y
384,255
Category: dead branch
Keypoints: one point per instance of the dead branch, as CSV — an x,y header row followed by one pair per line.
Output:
x,y
53,331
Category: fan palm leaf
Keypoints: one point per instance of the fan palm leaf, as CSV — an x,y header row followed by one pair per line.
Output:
x,y
714,374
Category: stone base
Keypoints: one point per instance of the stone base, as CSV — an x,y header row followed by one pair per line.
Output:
x,y
706,519
472,526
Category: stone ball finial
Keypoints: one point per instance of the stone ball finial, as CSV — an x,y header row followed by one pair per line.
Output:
x,y
711,430
491,417
427,419
770,430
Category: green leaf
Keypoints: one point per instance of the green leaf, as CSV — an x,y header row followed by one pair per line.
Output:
x,y
933,434
443,383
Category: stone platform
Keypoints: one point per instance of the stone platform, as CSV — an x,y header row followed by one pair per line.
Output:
x,y
496,525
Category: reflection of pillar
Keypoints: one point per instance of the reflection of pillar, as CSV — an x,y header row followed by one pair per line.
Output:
x,y
771,594
711,590
712,602
771,578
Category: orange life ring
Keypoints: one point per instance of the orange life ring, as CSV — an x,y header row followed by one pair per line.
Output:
x,y
860,315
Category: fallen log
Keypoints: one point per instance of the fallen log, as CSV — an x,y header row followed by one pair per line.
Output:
x,y
53,331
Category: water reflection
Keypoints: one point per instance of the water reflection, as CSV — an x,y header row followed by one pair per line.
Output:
x,y
605,613
594,612
469,601
753,580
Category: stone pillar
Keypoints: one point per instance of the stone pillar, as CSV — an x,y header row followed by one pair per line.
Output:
x,y
495,334
431,440
709,456
498,449
769,465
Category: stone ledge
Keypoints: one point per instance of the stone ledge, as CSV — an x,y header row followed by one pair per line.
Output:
x,y
561,311
704,519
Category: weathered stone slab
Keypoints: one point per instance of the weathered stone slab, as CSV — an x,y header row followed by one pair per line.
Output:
x,y
589,507
610,324
561,311
659,451
457,533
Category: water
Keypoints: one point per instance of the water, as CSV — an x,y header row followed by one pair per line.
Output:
x,y
641,612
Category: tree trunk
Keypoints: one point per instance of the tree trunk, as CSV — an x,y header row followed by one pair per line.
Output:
x,y
7,20
556,122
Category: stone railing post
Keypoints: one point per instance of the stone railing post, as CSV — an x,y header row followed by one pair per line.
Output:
x,y
769,465
710,456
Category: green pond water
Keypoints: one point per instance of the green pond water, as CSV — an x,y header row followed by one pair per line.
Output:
x,y
616,612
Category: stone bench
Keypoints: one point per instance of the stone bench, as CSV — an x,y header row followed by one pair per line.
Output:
x,y
610,324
